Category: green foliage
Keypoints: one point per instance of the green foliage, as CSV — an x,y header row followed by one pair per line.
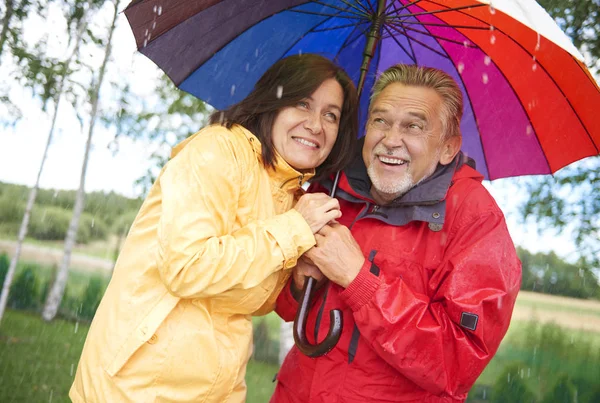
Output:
x,y
563,391
265,348
4,264
24,290
92,297
548,273
569,199
510,387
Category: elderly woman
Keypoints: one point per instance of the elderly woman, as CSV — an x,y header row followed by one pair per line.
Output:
x,y
215,240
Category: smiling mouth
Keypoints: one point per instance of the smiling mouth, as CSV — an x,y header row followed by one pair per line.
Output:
x,y
305,142
391,160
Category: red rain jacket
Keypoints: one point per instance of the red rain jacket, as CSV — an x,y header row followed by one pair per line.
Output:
x,y
429,307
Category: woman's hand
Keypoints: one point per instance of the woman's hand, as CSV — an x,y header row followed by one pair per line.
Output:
x,y
318,209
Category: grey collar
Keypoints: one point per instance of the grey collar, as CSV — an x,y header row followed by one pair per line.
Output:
x,y
425,202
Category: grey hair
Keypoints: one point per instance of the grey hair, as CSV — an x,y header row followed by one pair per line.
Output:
x,y
428,77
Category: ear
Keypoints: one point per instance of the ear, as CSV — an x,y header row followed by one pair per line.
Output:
x,y
450,148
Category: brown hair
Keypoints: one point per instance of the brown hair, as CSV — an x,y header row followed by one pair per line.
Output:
x,y
284,84
429,77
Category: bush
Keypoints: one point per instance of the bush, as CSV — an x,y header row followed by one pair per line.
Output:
x,y
52,223
265,349
510,386
563,391
11,210
91,297
4,264
24,290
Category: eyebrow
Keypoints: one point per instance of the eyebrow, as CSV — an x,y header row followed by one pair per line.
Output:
x,y
418,115
334,106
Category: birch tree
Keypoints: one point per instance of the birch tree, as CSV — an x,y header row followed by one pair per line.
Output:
x,y
79,30
57,290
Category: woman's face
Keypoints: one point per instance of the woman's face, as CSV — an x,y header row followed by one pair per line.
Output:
x,y
305,133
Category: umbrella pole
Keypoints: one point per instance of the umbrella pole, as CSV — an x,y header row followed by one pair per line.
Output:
x,y
373,37
335,330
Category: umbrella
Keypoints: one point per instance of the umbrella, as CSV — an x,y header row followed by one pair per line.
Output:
x,y
530,102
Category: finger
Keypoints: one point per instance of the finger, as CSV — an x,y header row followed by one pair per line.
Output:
x,y
331,204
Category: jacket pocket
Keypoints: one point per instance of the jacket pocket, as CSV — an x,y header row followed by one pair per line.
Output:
x,y
142,333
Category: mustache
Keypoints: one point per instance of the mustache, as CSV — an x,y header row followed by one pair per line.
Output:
x,y
380,149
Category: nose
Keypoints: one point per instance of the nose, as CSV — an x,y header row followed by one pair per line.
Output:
x,y
313,123
393,138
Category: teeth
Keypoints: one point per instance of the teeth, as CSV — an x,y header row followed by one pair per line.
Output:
x,y
306,142
394,161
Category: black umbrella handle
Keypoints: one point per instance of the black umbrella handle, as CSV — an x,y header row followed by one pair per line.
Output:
x,y
335,325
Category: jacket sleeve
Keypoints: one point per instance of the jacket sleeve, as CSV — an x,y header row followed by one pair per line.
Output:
x,y
286,305
443,344
199,253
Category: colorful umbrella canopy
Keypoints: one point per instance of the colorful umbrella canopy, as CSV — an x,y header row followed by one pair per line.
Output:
x,y
530,103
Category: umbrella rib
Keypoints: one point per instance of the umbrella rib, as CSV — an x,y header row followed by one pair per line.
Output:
x,y
418,41
334,28
349,41
411,54
404,6
438,11
361,15
324,14
427,33
371,8
361,9
548,74
431,24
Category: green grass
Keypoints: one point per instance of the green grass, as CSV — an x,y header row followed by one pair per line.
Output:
x,y
38,361
103,249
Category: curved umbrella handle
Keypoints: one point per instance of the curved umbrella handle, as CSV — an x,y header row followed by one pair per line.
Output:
x,y
335,327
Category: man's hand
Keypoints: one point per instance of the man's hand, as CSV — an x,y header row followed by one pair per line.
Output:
x,y
337,254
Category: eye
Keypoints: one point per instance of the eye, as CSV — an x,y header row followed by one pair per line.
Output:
x,y
379,123
332,117
415,126
302,104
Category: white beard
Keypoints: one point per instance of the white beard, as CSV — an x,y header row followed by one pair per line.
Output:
x,y
398,187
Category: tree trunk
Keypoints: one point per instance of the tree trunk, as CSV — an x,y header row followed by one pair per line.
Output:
x,y
286,339
58,288
10,4
33,192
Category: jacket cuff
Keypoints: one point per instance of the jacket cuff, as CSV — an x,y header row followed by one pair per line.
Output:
x,y
293,235
361,289
286,305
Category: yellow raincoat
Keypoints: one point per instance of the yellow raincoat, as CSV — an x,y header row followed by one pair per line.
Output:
x,y
205,252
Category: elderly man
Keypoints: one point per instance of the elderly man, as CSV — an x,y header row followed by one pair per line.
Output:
x,y
421,262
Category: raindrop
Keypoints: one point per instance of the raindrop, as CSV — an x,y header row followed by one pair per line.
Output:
x,y
146,33
534,67
492,9
221,118
487,60
72,367
485,78
232,90
247,67
145,42
279,91
529,130
93,220
153,24
461,67
528,372
484,393
51,391
492,28
256,52
159,10
493,39
465,44
76,327
508,378
537,45
155,9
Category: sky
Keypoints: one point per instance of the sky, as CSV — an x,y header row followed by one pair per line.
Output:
x,y
21,147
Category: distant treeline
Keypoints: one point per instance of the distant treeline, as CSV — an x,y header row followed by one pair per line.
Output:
x,y
104,213
549,274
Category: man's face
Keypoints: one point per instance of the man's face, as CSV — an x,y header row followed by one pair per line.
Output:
x,y
403,143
